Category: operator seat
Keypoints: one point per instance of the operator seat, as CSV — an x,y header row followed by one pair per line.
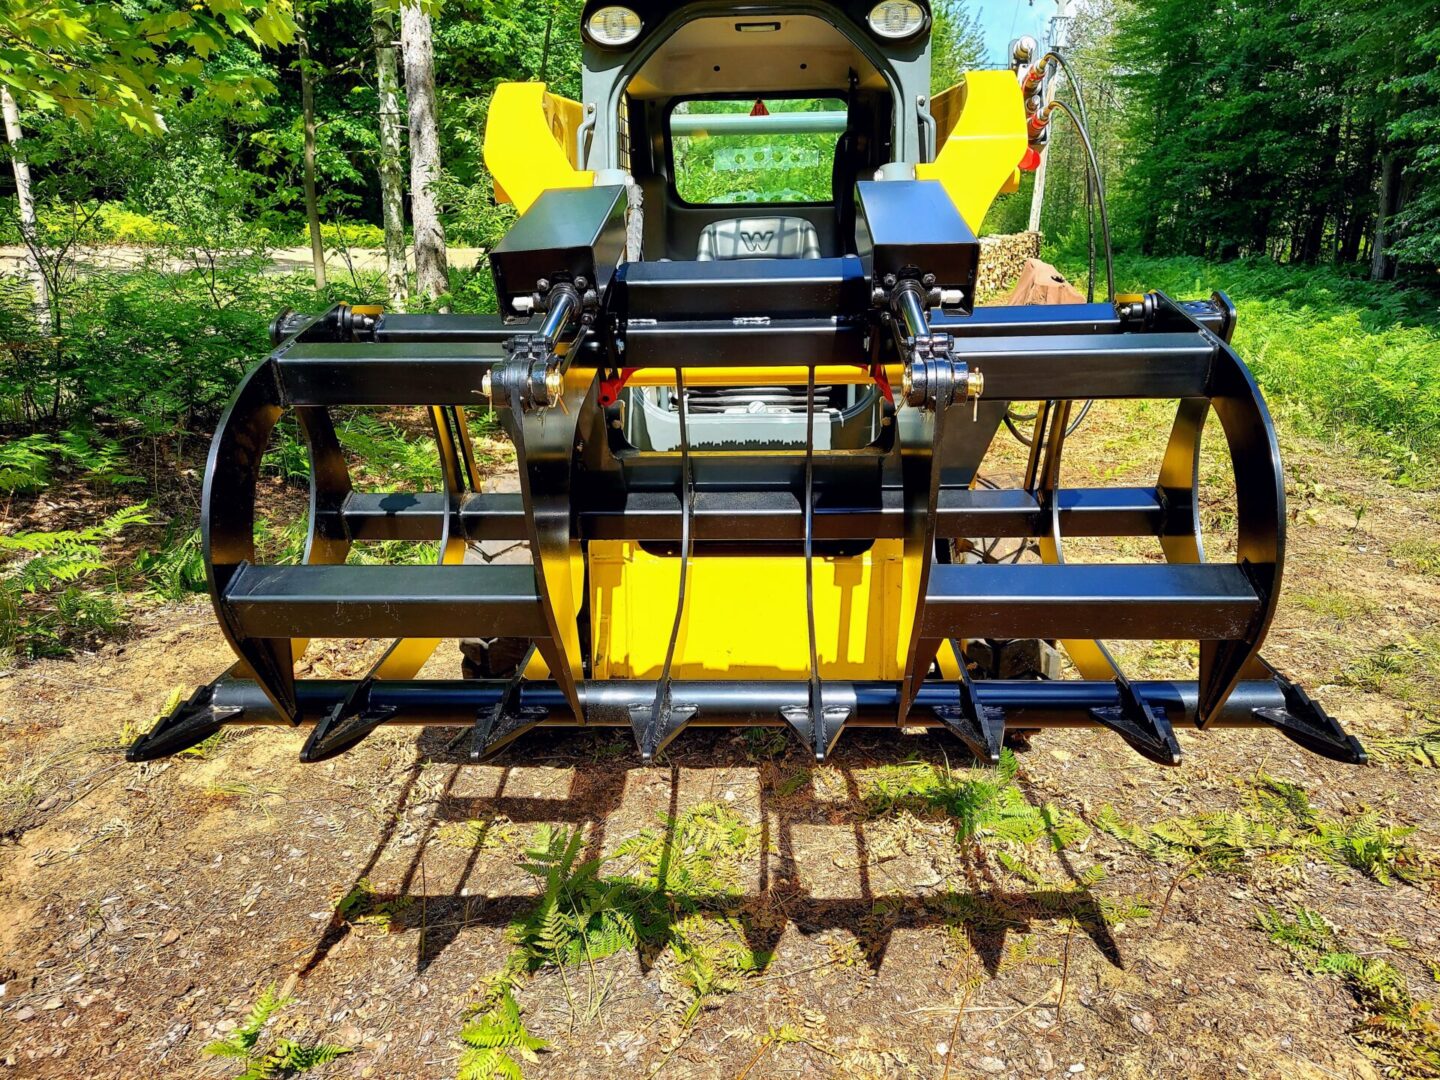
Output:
x,y
777,237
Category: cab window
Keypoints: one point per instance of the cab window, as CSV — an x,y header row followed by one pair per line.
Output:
x,y
755,150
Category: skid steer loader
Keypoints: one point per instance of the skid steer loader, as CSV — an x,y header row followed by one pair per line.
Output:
x,y
750,392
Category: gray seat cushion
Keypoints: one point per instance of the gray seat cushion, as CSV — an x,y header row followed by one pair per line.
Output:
x,y
779,237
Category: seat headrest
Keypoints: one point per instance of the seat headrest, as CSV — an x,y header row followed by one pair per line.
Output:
x,y
776,237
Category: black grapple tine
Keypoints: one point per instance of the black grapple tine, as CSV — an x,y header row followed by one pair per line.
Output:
x,y
1304,721
498,725
817,724
188,724
345,725
1144,726
655,725
980,727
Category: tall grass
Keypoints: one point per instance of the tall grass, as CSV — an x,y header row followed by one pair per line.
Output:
x,y
1352,355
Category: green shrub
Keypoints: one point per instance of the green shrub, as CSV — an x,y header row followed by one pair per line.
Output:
x,y
46,610
118,224
1354,355
352,234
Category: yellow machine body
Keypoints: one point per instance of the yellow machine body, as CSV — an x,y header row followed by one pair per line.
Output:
x,y
745,616
531,143
981,121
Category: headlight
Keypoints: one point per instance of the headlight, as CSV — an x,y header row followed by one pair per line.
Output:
x,y
895,19
613,26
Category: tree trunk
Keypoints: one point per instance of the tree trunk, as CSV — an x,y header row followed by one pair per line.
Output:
x,y
432,276
1382,267
29,227
392,196
307,110
545,49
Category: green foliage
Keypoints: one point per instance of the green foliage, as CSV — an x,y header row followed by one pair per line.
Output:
x,y
279,1059
176,570
492,1037
581,916
1351,355
44,608
362,906
726,166
679,895
1419,554
25,463
1264,131
1275,826
65,556
957,43
1422,748
1398,1028
987,806
107,60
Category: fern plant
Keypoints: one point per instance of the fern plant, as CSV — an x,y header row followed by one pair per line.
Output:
x,y
581,916
680,893
44,608
1397,1027
492,1037
43,559
25,463
279,1059
985,806
1277,826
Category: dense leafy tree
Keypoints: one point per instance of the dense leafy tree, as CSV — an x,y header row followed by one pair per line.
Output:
x,y
1301,129
128,60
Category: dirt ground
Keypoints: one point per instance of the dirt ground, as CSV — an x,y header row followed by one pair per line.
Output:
x,y
146,907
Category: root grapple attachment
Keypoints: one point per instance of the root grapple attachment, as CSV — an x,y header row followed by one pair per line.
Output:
x,y
748,486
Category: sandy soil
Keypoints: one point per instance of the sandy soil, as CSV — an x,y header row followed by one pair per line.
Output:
x,y
145,907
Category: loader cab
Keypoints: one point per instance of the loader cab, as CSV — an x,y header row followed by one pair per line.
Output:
x,y
745,132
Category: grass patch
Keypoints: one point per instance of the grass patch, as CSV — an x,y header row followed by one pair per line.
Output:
x,y
1337,605
1402,670
1397,1028
1347,355
1418,554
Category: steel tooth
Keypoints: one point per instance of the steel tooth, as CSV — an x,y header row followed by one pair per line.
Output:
x,y
1146,728
1304,720
980,727
188,724
497,727
654,731
344,726
818,738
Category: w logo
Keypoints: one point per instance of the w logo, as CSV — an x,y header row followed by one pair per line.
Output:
x,y
757,241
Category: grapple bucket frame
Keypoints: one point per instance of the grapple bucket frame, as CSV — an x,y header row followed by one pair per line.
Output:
x,y
947,371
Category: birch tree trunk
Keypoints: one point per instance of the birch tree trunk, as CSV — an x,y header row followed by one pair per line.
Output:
x,y
432,277
307,110
392,197
29,228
